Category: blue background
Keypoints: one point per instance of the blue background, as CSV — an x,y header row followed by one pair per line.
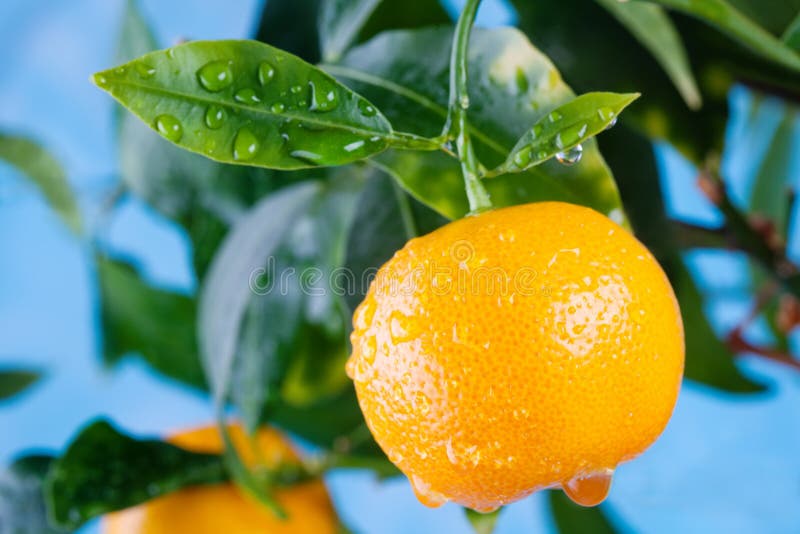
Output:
x,y
724,464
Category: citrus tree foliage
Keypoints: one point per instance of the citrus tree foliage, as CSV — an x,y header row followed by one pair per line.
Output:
x,y
321,146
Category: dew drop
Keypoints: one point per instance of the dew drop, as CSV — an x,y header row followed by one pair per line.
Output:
x,y
589,490
215,76
323,96
369,348
245,146
367,109
169,127
523,157
306,155
295,89
101,81
606,114
554,116
246,96
425,494
422,403
266,72
399,328
355,145
215,117
145,70
571,156
278,107
612,123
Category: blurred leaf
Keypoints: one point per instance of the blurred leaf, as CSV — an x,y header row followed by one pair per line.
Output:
x,y
483,523
654,29
566,127
571,518
22,508
158,325
291,25
708,360
512,87
38,165
339,24
104,470
15,381
245,102
792,34
386,217
730,20
407,14
772,16
772,180
135,36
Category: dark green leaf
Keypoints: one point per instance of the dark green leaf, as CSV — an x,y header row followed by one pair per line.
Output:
x,y
730,20
564,128
245,102
483,523
773,16
653,28
512,87
772,180
38,165
291,25
13,381
792,34
385,219
339,24
22,508
156,324
104,470
571,518
407,14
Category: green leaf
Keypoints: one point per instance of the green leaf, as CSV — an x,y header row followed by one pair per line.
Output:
x,y
156,324
245,102
512,86
571,518
772,16
135,36
792,34
730,20
291,25
104,470
15,381
653,28
22,508
38,165
564,128
483,523
339,24
771,185
404,15
385,219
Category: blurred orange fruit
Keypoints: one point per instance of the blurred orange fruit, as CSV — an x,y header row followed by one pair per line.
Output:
x,y
523,348
222,508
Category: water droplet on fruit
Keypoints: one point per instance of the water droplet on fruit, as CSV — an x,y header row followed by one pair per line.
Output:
x,y
323,96
571,156
266,72
245,146
425,494
145,70
487,509
278,107
399,327
369,348
169,127
215,116
422,403
591,489
367,109
215,76
246,96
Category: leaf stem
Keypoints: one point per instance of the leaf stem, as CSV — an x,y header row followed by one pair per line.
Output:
x,y
456,126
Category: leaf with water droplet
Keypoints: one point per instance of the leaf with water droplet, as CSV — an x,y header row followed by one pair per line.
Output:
x,y
576,121
94,475
246,80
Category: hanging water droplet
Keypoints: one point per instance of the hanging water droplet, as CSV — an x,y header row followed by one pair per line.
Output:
x,y
245,146
278,107
215,76
367,109
425,494
323,96
246,96
169,127
145,70
571,156
266,72
215,116
612,123
591,489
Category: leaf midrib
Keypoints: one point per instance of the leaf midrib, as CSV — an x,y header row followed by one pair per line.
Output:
x,y
258,111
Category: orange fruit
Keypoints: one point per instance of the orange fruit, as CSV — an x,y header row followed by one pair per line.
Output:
x,y
222,508
523,348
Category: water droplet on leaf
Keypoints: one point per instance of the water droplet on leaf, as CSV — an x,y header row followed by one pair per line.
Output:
x,y
278,107
323,96
306,155
169,127
523,157
215,76
215,116
367,109
554,116
266,72
245,146
246,96
571,156
145,70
